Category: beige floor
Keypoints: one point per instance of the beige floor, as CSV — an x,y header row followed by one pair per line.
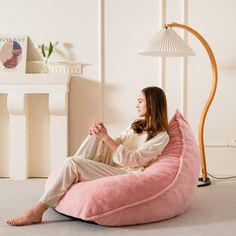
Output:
x,y
212,213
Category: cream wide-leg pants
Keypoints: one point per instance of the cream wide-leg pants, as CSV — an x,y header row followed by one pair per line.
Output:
x,y
92,160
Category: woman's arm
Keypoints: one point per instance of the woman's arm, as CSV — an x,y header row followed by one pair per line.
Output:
x,y
100,131
110,142
143,154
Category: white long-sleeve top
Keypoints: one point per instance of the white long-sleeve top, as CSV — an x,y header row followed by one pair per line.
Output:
x,y
134,152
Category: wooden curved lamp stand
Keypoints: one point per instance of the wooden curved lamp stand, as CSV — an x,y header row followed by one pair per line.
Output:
x,y
204,179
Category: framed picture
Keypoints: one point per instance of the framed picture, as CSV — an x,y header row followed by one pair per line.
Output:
x,y
13,51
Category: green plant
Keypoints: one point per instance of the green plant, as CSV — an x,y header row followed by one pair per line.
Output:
x,y
47,50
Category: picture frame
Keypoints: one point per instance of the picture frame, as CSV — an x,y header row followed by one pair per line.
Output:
x,y
13,53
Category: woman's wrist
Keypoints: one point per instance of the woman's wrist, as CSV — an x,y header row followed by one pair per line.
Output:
x,y
105,137
110,142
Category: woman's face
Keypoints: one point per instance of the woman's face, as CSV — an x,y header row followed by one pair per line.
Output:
x,y
141,106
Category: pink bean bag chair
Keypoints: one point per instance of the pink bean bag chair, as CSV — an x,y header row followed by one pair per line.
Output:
x,y
161,191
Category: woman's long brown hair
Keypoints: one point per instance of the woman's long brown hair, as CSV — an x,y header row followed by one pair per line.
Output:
x,y
156,119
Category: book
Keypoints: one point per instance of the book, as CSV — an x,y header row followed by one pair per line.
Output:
x,y
13,51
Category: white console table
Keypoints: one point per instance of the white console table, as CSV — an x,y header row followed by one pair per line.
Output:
x,y
17,86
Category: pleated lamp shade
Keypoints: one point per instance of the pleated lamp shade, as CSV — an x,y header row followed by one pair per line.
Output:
x,y
167,43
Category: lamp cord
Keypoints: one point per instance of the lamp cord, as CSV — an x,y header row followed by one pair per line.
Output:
x,y
228,177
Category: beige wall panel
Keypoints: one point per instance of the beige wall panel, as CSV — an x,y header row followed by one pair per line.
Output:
x,y
39,136
4,137
128,26
174,66
83,109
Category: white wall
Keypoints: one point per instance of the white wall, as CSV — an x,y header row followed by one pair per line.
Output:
x,y
110,84
217,26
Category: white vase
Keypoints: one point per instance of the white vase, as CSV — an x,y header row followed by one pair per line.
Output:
x,y
45,65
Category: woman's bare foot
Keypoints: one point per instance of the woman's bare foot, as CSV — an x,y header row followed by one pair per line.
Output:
x,y
27,218
32,216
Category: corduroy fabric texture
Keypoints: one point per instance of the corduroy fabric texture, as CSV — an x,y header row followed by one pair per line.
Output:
x,y
163,190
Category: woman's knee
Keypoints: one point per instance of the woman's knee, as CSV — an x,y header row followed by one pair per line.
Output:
x,y
68,162
75,160
69,168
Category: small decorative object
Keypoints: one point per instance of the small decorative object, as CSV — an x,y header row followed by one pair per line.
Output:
x,y
46,53
62,67
13,51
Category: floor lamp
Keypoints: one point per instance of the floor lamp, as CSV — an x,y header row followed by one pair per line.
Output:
x,y
167,43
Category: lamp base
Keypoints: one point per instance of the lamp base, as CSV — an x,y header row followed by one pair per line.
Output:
x,y
204,182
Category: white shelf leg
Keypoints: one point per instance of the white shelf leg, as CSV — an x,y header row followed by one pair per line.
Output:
x,y
17,105
58,108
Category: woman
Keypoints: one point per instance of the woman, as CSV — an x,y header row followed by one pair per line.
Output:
x,y
100,155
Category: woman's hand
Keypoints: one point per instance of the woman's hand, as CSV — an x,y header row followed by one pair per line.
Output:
x,y
98,129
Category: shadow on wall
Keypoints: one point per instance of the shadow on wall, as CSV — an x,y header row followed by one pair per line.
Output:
x,y
65,51
32,53
85,108
112,103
